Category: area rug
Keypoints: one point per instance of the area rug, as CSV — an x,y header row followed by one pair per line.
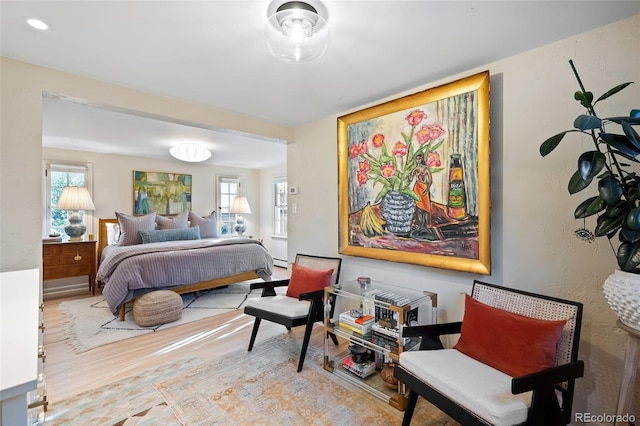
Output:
x,y
260,387
89,322
128,402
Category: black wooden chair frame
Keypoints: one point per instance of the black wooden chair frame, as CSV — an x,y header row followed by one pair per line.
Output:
x,y
545,408
316,310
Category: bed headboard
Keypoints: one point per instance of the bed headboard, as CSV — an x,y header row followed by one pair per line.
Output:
x,y
103,238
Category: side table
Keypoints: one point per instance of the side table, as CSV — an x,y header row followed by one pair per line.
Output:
x,y
70,259
631,358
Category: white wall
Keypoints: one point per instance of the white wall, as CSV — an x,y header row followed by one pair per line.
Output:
x,y
533,246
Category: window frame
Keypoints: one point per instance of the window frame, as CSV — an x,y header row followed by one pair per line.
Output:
x,y
50,166
225,205
279,208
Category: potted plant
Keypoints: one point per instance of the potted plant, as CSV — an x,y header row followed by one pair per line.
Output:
x,y
611,164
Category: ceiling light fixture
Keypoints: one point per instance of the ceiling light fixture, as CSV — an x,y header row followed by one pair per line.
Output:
x,y
37,24
296,33
190,152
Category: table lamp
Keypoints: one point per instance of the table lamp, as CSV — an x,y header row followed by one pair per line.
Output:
x,y
240,206
75,198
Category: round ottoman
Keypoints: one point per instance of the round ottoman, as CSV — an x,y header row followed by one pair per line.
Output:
x,y
157,307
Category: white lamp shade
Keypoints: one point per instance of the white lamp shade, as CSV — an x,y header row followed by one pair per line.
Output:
x,y
75,198
240,205
296,33
190,152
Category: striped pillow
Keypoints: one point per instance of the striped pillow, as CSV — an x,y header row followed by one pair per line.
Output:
x,y
208,225
162,235
177,222
130,227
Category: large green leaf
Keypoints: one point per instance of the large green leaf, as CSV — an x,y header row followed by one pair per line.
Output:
x,y
621,143
633,219
632,119
631,134
617,209
577,184
622,154
629,234
628,256
613,91
587,122
606,225
610,189
551,143
590,163
589,207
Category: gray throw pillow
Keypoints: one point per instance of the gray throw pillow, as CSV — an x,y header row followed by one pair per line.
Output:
x,y
208,225
175,222
163,235
130,227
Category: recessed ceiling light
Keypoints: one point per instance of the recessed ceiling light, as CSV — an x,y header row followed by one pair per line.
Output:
x,y
38,24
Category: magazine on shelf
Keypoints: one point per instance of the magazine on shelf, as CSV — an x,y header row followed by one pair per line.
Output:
x,y
360,369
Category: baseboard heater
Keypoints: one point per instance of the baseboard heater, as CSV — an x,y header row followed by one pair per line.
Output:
x,y
281,263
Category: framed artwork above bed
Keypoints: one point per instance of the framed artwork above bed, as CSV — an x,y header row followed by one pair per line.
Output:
x,y
161,192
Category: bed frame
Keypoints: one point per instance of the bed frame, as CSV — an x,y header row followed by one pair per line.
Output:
x,y
188,288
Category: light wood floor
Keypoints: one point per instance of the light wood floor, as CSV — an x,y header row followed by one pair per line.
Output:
x,y
68,373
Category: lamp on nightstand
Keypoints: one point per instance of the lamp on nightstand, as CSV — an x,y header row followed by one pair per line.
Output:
x,y
240,206
75,198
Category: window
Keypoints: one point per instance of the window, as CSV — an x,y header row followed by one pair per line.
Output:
x,y
228,190
57,177
280,207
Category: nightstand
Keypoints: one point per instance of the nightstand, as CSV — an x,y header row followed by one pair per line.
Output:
x,y
70,259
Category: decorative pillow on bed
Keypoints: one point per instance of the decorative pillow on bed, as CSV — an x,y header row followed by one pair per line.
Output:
x,y
177,222
514,344
162,235
208,225
304,280
130,226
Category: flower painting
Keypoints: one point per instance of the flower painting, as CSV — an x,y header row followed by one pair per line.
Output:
x,y
414,178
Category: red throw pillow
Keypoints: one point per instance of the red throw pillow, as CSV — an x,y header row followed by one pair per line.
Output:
x,y
512,343
304,280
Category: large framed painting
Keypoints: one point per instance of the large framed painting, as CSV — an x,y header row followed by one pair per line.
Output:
x,y
163,193
414,178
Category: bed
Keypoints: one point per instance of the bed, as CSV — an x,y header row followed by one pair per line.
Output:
x,y
185,266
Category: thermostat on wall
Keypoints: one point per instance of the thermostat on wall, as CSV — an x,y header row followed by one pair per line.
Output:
x,y
293,190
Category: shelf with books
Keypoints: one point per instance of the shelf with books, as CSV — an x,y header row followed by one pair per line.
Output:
x,y
372,316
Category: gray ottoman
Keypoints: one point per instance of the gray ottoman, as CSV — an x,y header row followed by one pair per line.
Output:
x,y
157,307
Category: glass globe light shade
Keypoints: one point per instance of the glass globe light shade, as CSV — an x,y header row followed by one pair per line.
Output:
x,y
296,33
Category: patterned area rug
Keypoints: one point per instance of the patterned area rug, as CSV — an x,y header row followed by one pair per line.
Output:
x,y
260,387
89,322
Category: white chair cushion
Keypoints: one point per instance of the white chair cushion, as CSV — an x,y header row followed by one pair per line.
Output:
x,y
284,305
479,388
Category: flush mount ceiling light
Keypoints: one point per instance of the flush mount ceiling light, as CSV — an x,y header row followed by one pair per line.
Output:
x,y
37,24
296,33
190,152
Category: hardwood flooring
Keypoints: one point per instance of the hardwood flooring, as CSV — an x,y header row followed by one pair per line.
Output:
x,y
68,373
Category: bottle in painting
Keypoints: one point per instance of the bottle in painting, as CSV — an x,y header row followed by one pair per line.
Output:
x,y
457,203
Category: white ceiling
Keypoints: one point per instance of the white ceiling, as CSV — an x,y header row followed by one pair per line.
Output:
x,y
213,53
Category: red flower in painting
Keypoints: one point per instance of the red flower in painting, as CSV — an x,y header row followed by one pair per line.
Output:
x,y
387,170
415,117
358,149
364,166
377,140
433,160
362,177
400,149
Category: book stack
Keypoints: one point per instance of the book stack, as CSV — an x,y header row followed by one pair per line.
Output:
x,y
391,299
359,325
360,369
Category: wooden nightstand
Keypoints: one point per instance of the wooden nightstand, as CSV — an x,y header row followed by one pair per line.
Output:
x,y
70,259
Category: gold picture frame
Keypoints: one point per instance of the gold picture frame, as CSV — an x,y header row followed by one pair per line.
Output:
x,y
413,178
161,192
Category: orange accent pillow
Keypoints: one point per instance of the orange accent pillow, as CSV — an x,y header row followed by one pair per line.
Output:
x,y
512,343
304,280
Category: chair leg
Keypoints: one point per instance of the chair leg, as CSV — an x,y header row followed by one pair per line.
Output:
x,y
305,345
256,324
333,337
408,411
